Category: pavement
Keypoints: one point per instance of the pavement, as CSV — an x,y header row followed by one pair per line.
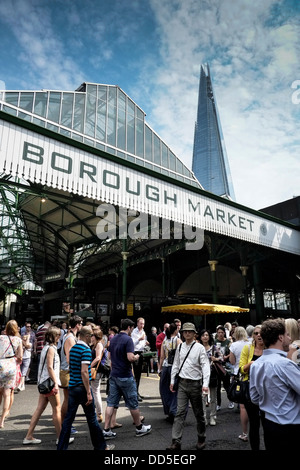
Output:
x,y
223,436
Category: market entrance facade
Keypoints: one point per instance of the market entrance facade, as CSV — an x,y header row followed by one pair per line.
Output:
x,y
102,234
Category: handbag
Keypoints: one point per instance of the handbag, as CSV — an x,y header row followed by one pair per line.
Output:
x,y
213,380
104,368
176,378
105,364
221,371
238,390
47,385
94,371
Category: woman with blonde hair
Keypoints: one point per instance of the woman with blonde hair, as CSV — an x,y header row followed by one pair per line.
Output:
x,y
240,340
49,366
249,354
293,330
11,354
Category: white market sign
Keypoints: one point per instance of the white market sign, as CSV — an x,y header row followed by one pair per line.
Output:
x,y
47,161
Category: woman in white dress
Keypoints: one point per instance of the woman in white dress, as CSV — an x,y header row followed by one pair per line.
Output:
x,y
11,354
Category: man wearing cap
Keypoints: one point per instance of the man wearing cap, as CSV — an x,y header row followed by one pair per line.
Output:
x,y
193,382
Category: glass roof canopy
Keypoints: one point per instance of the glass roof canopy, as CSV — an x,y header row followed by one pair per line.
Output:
x,y
16,258
101,116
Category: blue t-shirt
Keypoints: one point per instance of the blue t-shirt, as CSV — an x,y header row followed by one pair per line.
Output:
x,y
80,353
119,346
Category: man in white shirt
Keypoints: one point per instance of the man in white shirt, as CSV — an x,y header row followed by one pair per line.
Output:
x,y
139,339
194,374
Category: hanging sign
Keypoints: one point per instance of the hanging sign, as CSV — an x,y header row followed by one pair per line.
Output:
x,y
50,162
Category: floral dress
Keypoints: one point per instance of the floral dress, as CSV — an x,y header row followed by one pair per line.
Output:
x,y
8,364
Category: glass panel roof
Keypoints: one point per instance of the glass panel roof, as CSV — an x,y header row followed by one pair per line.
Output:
x,y
102,116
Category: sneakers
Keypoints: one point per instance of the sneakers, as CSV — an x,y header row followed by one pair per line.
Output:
x,y
212,421
231,405
31,441
109,434
73,430
145,429
243,437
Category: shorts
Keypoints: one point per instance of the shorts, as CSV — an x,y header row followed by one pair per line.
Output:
x,y
64,376
125,387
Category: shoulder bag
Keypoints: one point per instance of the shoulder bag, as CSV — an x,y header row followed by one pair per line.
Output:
x,y
238,390
94,371
176,378
47,385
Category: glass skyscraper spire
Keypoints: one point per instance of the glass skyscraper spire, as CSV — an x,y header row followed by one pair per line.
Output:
x,y
210,164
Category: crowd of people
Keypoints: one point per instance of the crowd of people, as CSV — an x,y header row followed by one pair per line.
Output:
x,y
193,365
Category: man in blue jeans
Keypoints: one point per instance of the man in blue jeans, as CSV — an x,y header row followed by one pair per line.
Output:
x,y
80,393
122,382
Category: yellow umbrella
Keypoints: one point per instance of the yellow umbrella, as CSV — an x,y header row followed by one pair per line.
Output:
x,y
203,309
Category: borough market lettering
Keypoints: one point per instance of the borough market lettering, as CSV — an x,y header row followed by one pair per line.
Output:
x,y
62,163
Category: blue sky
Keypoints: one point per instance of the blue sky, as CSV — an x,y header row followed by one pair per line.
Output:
x,y
153,50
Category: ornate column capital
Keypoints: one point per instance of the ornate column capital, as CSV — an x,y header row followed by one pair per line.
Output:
x,y
213,264
124,255
244,270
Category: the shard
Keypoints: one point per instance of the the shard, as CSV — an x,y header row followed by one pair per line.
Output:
x,y
210,163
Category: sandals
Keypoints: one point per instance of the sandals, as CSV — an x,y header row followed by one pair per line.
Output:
x,y
243,437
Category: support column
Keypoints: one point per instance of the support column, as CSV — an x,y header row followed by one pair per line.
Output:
x,y
163,280
244,270
124,254
213,271
294,296
259,293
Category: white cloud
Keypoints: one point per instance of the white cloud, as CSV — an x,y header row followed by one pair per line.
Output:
x,y
40,48
253,65
253,55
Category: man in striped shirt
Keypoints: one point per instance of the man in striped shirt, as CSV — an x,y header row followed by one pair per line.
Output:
x,y
80,393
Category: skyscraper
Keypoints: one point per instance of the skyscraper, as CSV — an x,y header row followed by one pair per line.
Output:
x,y
210,164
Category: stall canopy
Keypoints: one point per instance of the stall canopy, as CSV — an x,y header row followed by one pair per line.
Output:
x,y
203,309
